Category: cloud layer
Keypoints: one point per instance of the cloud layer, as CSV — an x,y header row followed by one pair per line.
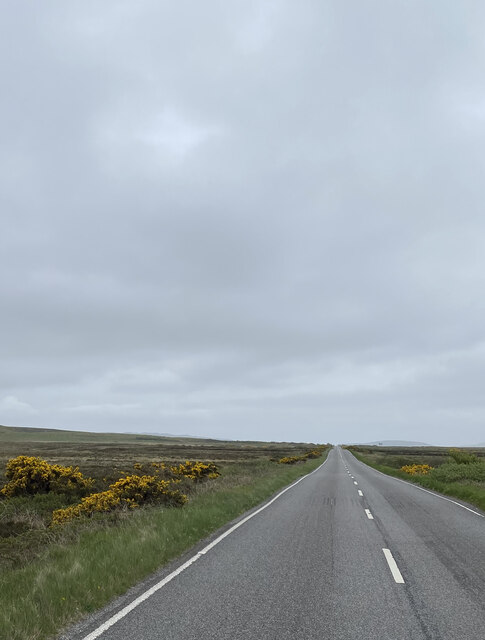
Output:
x,y
244,219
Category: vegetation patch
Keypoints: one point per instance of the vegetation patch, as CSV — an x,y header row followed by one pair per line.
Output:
x,y
67,549
130,492
416,469
29,475
309,455
456,472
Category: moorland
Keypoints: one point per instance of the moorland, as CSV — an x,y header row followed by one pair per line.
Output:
x,y
84,516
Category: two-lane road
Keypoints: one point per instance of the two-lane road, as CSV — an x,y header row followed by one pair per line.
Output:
x,y
347,553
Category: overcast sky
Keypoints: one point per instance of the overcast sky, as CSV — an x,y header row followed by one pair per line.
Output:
x,y
250,220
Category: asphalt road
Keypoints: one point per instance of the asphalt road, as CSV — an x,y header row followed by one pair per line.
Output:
x,y
311,566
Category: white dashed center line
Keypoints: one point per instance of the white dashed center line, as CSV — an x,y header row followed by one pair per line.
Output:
x,y
369,514
355,482
396,574
360,493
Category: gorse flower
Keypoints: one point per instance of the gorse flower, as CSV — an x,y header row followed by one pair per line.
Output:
x,y
129,492
314,453
196,471
28,475
291,459
416,469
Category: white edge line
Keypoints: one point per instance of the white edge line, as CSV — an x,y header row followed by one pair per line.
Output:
x,y
396,574
369,514
149,592
432,493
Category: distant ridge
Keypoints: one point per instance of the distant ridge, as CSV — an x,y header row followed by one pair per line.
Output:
x,y
42,434
167,435
396,443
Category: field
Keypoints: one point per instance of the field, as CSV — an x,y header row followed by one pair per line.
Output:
x,y
51,575
455,472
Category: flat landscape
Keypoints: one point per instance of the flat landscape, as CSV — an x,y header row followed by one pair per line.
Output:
x,y
347,553
242,267
130,539
59,562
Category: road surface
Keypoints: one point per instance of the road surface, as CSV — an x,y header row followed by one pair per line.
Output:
x,y
345,554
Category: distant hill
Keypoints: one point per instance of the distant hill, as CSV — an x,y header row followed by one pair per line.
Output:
x,y
396,443
40,434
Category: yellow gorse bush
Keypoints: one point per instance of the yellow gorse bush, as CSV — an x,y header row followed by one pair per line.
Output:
x,y
28,475
196,470
291,459
129,492
160,468
416,469
314,453
140,489
96,502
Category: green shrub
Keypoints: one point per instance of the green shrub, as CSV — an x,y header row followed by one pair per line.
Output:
x,y
462,457
456,472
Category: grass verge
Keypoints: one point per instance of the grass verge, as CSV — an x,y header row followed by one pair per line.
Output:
x,y
470,493
70,581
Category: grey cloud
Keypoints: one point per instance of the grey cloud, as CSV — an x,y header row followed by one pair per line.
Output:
x,y
244,219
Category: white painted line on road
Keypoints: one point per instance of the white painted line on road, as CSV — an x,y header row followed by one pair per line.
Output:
x,y
396,574
369,514
415,486
355,482
149,592
360,493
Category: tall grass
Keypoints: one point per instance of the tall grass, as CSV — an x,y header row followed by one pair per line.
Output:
x,y
463,481
74,579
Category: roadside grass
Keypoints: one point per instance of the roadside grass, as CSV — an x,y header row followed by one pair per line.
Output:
x,y
465,482
92,565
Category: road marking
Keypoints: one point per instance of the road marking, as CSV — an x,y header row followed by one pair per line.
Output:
x,y
369,514
415,486
396,574
149,592
355,482
360,493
